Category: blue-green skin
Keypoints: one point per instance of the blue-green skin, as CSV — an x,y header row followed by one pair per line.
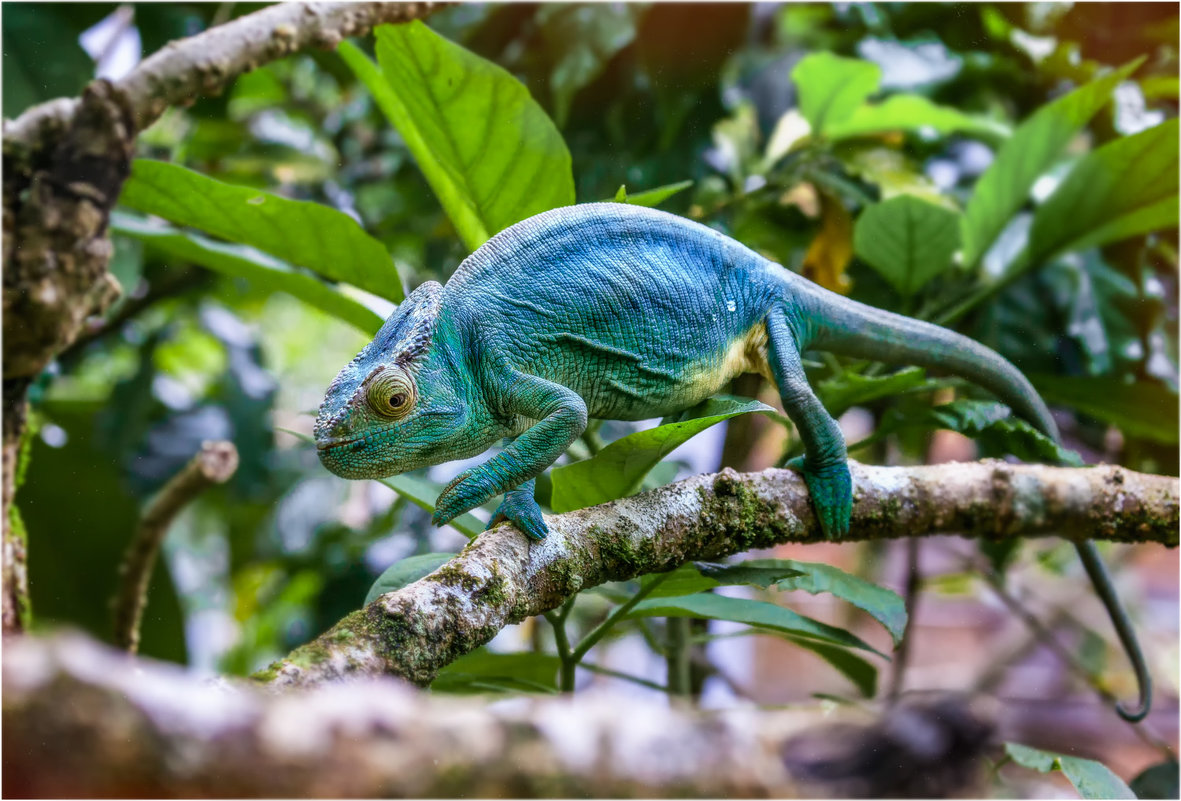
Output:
x,y
618,312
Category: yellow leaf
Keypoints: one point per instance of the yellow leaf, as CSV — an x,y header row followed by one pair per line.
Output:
x,y
831,250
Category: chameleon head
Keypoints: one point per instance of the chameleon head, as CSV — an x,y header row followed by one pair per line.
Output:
x,y
392,408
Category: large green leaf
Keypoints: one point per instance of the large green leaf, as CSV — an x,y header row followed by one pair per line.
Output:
x,y
850,389
489,152
912,113
240,261
422,493
907,241
484,671
831,88
884,605
993,424
582,38
1141,409
1092,779
618,469
300,232
406,571
760,614
1125,188
1026,155
829,643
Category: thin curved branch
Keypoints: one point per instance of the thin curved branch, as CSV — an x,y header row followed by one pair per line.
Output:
x,y
215,463
208,62
502,577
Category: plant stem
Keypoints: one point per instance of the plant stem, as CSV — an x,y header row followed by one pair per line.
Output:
x,y
678,656
616,615
562,643
625,676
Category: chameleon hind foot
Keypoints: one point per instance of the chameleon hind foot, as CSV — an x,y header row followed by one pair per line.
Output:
x,y
831,489
520,509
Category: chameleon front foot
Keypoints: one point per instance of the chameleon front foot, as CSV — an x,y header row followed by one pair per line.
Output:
x,y
831,488
520,509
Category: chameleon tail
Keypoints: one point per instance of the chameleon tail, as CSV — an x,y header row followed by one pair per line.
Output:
x,y
840,325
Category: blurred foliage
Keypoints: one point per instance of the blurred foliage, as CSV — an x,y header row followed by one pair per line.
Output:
x,y
1010,169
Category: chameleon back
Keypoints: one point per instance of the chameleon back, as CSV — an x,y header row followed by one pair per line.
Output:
x,y
640,312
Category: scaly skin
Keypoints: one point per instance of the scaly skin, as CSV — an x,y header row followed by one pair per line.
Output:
x,y
618,312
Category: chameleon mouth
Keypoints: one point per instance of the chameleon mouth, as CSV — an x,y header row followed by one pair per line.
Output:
x,y
336,442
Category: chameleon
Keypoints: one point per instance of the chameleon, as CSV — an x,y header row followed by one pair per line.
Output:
x,y
612,311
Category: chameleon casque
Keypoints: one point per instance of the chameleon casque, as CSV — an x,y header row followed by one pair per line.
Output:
x,y
622,312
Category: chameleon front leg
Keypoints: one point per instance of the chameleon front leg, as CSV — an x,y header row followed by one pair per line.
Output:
x,y
824,463
562,418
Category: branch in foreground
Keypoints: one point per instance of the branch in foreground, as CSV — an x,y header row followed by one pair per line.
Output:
x,y
503,578
152,730
215,463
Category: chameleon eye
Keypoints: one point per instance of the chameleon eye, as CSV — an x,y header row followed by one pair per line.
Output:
x,y
391,395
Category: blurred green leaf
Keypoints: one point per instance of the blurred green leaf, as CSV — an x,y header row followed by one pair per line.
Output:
x,y
882,604
912,113
907,240
422,493
582,38
651,197
851,389
300,232
993,424
1142,409
1157,781
1124,188
617,470
832,87
1092,779
406,571
760,614
1032,149
489,152
484,671
42,56
863,674
240,261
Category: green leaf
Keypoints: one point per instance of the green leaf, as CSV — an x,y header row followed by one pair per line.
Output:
x,y
998,430
651,197
486,671
685,580
1029,152
1092,779
832,87
422,493
240,261
912,113
581,39
489,152
760,614
907,241
885,606
618,469
757,572
300,232
1157,781
406,571
863,675
1124,188
1142,409
850,389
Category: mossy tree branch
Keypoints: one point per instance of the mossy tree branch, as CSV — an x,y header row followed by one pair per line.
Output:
x,y
503,578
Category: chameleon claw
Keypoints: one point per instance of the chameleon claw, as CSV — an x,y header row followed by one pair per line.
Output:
x,y
831,489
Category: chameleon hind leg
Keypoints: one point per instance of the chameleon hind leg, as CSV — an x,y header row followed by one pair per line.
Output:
x,y
562,417
824,463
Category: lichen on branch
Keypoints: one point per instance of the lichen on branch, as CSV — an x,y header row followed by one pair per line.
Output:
x,y
503,578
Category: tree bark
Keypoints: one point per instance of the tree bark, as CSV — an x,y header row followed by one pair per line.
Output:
x,y
65,162
83,720
503,578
